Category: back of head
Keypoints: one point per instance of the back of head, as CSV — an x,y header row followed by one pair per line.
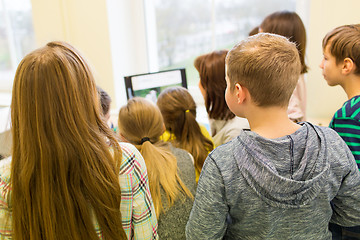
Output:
x,y
62,168
140,119
268,65
179,112
175,103
211,68
141,123
289,25
105,101
343,42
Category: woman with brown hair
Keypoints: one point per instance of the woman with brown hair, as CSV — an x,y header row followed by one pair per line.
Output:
x,y
224,124
178,109
171,171
68,177
289,25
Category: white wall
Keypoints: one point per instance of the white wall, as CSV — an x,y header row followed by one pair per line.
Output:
x,y
325,15
85,25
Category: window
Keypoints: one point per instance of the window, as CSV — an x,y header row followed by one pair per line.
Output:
x,y
188,28
16,38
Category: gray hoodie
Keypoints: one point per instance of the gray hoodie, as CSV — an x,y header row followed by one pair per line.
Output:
x,y
285,188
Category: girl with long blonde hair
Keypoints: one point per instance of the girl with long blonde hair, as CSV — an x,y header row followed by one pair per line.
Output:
x,y
171,171
178,109
67,174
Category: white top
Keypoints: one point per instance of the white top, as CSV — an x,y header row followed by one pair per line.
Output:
x,y
222,131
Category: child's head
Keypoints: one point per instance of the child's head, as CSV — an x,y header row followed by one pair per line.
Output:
x,y
176,105
57,93
211,68
105,101
341,43
179,112
140,120
289,25
268,65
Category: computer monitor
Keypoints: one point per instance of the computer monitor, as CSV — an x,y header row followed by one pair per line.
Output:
x,y
149,85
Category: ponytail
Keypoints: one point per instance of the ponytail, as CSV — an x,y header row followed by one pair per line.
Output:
x,y
141,123
163,173
192,140
179,111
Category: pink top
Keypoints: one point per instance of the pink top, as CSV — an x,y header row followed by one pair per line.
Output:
x,y
297,104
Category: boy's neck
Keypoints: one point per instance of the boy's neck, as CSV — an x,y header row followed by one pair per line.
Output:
x,y
271,122
351,86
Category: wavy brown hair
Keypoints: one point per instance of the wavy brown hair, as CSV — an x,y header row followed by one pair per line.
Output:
x,y
63,173
142,119
179,111
211,68
289,25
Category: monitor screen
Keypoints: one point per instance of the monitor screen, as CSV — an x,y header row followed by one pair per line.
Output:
x,y
149,85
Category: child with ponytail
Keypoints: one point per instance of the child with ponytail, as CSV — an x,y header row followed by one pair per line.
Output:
x,y
179,112
171,171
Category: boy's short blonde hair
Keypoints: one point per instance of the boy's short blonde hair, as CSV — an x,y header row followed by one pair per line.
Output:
x,y
344,42
268,65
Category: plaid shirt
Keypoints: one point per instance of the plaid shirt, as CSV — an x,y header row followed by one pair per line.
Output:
x,y
137,209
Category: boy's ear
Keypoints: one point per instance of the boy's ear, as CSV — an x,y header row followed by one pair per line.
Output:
x,y
348,66
240,92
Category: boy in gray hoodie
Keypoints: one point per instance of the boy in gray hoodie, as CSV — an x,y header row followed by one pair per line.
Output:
x,y
280,180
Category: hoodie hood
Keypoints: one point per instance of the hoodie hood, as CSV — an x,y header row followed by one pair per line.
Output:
x,y
286,172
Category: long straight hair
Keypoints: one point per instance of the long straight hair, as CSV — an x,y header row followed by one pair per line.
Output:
x,y
63,172
141,120
289,25
179,111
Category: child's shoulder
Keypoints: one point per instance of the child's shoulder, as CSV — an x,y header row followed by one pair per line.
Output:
x,y
5,170
131,159
350,109
225,152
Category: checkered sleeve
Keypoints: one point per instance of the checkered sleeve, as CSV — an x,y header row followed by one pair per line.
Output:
x,y
137,209
5,210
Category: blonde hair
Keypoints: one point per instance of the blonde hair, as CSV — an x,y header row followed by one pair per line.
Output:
x,y
268,65
344,41
62,170
141,123
179,111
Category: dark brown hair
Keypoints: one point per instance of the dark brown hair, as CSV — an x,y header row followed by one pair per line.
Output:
x,y
179,112
289,25
344,41
211,68
63,173
105,100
